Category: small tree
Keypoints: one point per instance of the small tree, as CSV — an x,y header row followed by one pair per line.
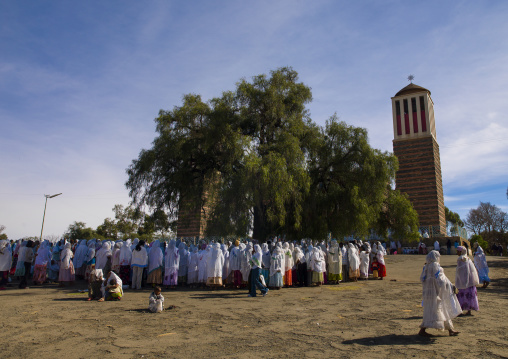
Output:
x,y
3,235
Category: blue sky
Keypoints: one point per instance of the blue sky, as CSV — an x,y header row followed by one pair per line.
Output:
x,y
81,82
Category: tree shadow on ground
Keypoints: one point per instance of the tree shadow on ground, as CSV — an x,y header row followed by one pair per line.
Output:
x,y
392,339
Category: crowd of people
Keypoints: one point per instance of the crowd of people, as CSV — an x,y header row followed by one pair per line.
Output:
x,y
112,266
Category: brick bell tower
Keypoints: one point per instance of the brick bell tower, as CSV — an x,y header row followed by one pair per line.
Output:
x,y
416,148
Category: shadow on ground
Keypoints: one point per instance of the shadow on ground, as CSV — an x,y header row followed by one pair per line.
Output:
x,y
392,339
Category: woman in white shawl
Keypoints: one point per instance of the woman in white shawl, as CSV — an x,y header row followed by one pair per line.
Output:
x,y
288,265
380,255
265,263
202,259
317,263
41,263
112,287
334,263
115,257
481,265
301,268
79,259
440,305
466,280
125,259
354,262
102,255
364,262
155,264
20,265
192,272
225,268
215,262
66,266
5,263
90,259
308,259
171,265
139,261
245,261
276,267
183,264
235,264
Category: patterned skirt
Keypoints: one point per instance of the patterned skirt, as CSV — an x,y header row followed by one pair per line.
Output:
x,y
468,298
89,269
171,276
40,273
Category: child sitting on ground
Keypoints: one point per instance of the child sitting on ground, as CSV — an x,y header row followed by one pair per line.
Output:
x,y
156,301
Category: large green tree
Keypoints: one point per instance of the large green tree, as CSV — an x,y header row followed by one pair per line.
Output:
x,y
351,190
253,160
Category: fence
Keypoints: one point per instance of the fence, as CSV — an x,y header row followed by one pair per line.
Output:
x,y
452,230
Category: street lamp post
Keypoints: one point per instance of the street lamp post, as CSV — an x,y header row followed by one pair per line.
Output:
x,y
45,204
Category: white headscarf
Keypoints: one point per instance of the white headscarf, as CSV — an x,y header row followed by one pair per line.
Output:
x,y
43,254
80,255
66,256
215,261
480,261
466,275
299,257
276,263
172,259
155,257
266,256
5,255
102,255
125,254
91,251
353,257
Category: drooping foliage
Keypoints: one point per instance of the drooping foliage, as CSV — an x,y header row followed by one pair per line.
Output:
x,y
253,160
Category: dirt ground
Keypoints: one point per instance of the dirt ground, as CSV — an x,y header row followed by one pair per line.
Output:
x,y
372,318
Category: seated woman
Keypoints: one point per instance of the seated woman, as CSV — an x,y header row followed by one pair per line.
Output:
x,y
111,287
95,285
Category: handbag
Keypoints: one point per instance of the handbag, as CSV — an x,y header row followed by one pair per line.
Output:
x,y
262,279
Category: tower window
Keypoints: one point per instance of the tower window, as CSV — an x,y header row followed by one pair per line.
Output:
x,y
406,117
415,115
422,112
399,123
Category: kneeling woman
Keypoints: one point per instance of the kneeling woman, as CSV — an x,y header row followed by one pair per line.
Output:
x,y
111,287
